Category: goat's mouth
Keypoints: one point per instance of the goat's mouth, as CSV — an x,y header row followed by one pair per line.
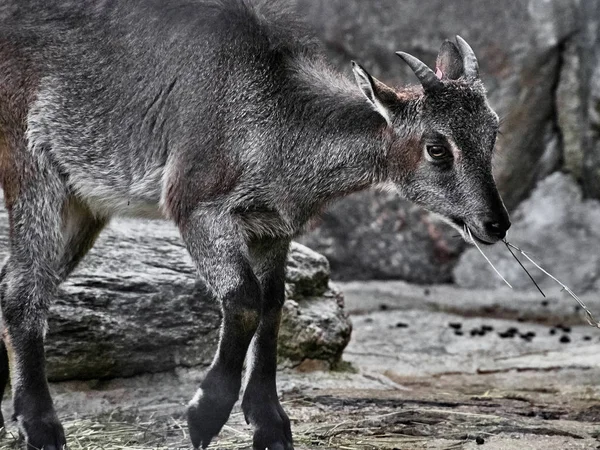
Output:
x,y
467,232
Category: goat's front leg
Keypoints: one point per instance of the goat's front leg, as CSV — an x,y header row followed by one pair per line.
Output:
x,y
221,256
260,403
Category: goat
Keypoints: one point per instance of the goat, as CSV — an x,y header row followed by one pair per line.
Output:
x,y
224,117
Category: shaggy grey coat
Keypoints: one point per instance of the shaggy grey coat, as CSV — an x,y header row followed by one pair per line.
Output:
x,y
222,116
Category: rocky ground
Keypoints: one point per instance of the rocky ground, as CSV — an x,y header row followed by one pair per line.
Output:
x,y
428,368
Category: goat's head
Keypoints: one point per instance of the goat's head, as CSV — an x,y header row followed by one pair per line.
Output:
x,y
443,135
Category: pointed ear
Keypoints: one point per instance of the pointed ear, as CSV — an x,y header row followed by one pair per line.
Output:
x,y
449,64
374,90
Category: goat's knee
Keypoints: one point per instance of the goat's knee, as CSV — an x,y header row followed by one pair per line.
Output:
x,y
241,303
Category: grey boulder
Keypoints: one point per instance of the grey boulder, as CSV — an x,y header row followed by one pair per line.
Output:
x,y
134,306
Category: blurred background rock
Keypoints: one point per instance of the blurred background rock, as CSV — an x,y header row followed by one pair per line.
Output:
x,y
541,64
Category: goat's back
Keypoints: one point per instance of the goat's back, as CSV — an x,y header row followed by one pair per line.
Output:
x,y
112,88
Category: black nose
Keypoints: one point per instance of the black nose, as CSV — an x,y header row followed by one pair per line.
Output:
x,y
497,228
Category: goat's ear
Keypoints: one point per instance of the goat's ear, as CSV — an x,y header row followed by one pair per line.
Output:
x,y
449,64
377,93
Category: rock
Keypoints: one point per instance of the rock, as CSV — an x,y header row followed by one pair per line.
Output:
x,y
570,110
590,93
134,307
520,46
311,329
558,229
377,235
307,273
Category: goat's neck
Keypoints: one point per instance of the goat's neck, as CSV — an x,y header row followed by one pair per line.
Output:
x,y
340,142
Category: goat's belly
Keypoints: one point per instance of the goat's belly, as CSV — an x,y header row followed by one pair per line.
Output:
x,y
125,206
107,200
267,224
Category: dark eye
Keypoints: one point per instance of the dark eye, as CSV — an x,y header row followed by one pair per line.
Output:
x,y
438,152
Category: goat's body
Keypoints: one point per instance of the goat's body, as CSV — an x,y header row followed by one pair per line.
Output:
x,y
222,116
125,97
219,115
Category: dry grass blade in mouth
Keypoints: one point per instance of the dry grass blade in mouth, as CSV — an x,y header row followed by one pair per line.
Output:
x,y
589,316
486,258
523,267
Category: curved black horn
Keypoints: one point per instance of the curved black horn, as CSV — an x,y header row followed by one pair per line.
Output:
x,y
469,59
425,75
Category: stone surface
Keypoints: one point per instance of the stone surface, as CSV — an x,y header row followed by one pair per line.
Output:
x,y
570,110
556,227
520,46
415,383
590,93
134,307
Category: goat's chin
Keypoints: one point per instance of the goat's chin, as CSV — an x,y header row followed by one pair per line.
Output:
x,y
461,226
455,223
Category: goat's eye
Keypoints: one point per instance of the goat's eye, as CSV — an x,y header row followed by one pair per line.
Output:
x,y
438,152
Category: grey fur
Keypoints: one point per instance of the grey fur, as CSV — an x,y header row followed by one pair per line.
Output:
x,y
223,116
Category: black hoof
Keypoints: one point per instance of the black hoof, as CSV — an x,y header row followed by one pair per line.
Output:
x,y
272,429
44,432
209,411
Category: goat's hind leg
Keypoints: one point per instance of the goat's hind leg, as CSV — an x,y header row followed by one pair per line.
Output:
x,y
28,287
80,230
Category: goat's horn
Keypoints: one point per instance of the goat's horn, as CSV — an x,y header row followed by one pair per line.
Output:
x,y
469,59
425,75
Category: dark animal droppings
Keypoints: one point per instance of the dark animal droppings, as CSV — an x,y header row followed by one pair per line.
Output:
x,y
401,325
552,331
587,338
383,307
544,302
565,339
458,333
480,440
565,328
455,325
